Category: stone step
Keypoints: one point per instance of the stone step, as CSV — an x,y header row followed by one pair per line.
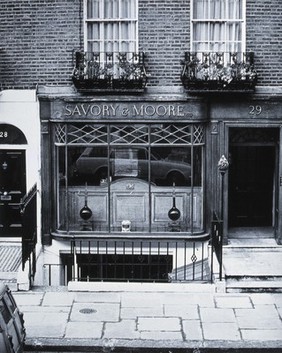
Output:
x,y
255,284
11,283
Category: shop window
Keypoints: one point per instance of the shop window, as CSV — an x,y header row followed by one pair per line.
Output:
x,y
218,26
129,174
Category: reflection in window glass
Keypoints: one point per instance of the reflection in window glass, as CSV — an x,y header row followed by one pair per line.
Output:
x,y
171,166
132,176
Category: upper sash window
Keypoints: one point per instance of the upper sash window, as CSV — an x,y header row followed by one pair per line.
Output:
x,y
218,25
111,25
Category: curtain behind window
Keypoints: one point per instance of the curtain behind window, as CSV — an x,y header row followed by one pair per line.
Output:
x,y
111,25
217,25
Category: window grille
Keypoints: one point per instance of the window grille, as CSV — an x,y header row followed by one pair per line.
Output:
x,y
155,134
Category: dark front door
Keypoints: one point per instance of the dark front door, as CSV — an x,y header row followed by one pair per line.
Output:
x,y
251,182
12,189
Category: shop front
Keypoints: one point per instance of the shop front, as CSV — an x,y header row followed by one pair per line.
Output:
x,y
130,171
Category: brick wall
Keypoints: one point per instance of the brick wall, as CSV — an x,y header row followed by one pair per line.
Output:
x,y
164,34
264,33
37,39
38,36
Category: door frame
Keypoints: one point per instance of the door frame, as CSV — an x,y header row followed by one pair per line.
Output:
x,y
270,154
23,150
277,205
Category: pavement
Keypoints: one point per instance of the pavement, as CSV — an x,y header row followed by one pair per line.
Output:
x,y
159,317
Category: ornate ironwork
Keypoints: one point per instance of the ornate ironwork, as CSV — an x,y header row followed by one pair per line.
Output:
x,y
155,134
29,231
218,72
110,71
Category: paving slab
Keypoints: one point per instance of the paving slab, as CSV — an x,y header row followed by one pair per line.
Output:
x,y
57,299
133,300
45,309
45,324
28,298
158,324
100,297
90,330
258,319
192,330
133,313
220,331
233,301
203,299
277,298
88,312
161,336
262,298
217,315
123,329
261,335
185,311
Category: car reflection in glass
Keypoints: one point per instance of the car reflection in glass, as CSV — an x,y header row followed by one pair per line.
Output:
x,y
132,162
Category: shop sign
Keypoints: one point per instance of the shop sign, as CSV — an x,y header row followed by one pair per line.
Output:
x,y
122,110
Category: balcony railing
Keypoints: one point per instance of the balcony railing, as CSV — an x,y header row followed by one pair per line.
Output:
x,y
110,71
214,72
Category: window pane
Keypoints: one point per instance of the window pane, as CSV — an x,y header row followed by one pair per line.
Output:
x,y
201,31
234,32
61,183
200,9
217,9
217,32
93,9
111,8
197,165
171,166
93,31
235,9
128,9
129,162
87,165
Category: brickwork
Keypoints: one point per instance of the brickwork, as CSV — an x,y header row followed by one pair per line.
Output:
x,y
264,33
38,36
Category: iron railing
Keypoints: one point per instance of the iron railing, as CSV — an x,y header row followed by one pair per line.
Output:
x,y
109,71
133,260
217,243
29,235
218,71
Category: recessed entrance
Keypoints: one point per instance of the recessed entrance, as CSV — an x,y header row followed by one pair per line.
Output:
x,y
251,176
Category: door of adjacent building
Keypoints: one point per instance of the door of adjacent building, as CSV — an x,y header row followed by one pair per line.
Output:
x,y
252,177
12,189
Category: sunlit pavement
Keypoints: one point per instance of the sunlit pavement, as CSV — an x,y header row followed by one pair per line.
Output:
x,y
129,316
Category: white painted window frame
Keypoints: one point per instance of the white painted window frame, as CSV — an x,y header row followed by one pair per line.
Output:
x,y
243,21
100,21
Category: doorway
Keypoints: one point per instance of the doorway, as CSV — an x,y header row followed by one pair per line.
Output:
x,y
12,189
251,177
